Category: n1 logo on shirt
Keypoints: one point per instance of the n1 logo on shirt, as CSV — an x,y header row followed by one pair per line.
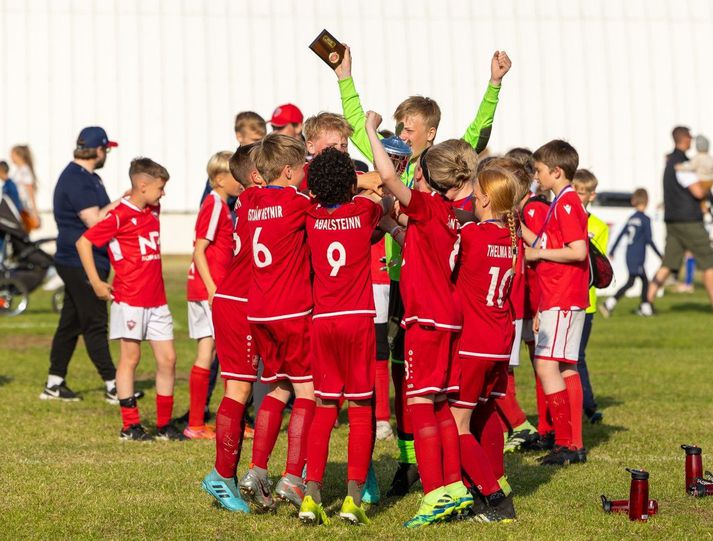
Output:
x,y
494,276
341,259
151,243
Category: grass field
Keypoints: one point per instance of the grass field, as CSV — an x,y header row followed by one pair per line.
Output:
x,y
65,474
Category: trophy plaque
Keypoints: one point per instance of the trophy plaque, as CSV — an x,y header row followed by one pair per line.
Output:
x,y
328,48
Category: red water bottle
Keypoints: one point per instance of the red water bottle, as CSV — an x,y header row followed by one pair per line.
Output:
x,y
622,506
694,466
639,495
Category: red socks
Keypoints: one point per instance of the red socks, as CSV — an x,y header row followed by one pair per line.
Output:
x,y
427,443
318,444
476,465
229,421
508,405
543,419
130,416
267,427
558,405
486,426
198,386
448,432
574,393
403,414
297,435
164,410
361,442
383,407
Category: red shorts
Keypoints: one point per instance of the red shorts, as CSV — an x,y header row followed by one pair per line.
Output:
x,y
429,360
343,357
283,346
234,343
480,380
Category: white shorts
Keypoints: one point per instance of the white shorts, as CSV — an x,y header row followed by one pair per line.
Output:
x,y
559,335
515,353
200,320
138,323
381,302
527,335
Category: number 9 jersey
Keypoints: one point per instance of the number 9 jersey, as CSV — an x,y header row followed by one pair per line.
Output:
x,y
340,248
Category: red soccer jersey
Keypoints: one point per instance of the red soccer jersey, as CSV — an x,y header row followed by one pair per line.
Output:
x,y
533,216
133,235
430,252
280,285
564,286
340,249
484,284
463,204
236,283
215,225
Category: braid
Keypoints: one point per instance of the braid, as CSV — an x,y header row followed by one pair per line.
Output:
x,y
510,216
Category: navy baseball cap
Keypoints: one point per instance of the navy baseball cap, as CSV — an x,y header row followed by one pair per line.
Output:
x,y
93,137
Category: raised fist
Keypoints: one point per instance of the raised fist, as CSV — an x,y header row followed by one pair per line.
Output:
x,y
499,66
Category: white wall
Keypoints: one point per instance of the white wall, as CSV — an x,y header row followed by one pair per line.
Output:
x,y
166,77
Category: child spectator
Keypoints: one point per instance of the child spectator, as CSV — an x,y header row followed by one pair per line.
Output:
x,y
702,163
212,252
138,311
9,188
585,184
561,251
26,182
637,232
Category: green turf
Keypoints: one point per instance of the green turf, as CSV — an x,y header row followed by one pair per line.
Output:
x,y
65,474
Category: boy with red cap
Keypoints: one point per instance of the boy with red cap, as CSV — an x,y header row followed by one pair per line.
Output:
x,y
287,120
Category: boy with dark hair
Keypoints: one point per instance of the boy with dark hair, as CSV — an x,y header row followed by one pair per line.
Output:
x,y
8,186
638,236
561,251
139,310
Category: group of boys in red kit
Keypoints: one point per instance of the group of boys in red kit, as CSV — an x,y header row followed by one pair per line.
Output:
x,y
288,284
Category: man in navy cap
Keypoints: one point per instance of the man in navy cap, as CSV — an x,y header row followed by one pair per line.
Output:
x,y
80,201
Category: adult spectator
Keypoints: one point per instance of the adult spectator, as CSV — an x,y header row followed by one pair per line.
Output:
x,y
287,119
80,201
682,196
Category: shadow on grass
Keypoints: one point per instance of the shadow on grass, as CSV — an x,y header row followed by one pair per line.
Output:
x,y
4,380
701,307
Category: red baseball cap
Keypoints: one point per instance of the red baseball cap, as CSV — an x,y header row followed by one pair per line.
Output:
x,y
286,114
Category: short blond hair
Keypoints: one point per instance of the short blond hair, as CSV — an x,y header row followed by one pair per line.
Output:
x,y
326,122
450,164
586,179
218,164
250,120
274,152
427,108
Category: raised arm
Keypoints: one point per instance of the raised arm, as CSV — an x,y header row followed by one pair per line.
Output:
x,y
351,105
477,134
382,162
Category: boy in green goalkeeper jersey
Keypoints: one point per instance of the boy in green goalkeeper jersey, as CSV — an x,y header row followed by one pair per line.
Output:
x,y
420,118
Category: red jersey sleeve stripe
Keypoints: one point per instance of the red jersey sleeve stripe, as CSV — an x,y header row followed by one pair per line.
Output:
x,y
214,217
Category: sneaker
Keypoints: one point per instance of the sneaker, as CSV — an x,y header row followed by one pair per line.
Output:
x,y
199,433
502,511
462,498
55,282
520,438
225,491
112,398
170,433
562,456
544,442
384,431
259,489
406,475
607,307
353,513
60,392
289,491
312,512
135,433
371,493
594,416
429,513
645,309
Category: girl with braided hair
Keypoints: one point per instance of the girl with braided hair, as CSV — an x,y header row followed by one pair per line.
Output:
x,y
489,257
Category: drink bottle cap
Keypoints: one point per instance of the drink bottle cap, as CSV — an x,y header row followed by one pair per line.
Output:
x,y
638,475
691,449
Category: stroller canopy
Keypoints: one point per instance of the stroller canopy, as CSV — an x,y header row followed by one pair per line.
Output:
x,y
10,222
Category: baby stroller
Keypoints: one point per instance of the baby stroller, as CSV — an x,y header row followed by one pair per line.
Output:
x,y
23,264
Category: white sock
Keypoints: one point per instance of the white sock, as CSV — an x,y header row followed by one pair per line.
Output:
x,y
110,384
54,380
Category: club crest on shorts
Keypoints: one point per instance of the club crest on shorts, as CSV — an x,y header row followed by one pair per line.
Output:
x,y
131,324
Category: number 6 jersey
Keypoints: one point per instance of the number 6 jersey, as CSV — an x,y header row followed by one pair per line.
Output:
x,y
280,277
340,248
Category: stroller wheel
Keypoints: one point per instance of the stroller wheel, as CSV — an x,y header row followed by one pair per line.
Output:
x,y
14,297
58,299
